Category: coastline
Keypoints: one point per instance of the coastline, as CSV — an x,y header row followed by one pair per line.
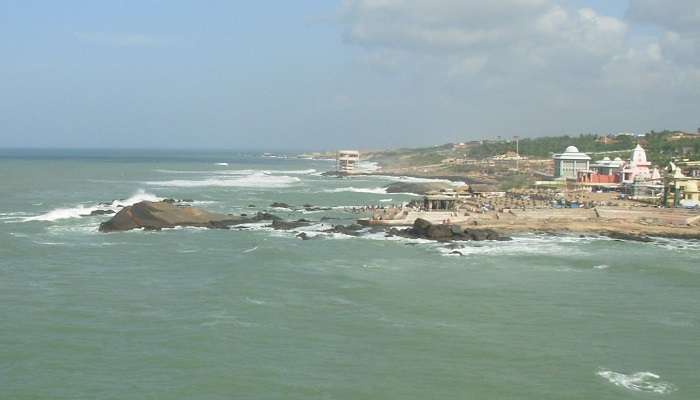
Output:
x,y
616,223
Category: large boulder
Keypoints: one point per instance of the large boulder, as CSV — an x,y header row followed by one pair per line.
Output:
x,y
421,226
440,232
420,188
445,232
158,215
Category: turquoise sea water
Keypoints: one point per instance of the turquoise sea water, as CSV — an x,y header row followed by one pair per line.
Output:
x,y
258,314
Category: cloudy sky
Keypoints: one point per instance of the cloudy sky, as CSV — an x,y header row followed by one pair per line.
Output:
x,y
324,74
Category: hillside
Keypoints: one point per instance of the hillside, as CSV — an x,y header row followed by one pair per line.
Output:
x,y
661,148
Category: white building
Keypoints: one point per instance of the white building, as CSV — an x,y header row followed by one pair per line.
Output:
x,y
347,161
568,164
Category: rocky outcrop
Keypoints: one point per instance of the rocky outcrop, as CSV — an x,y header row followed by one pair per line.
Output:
x,y
350,230
279,204
424,229
420,188
98,212
159,215
289,225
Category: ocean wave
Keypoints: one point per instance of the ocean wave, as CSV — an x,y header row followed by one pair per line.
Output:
x,y
413,179
222,164
639,381
357,190
367,166
82,210
310,171
255,180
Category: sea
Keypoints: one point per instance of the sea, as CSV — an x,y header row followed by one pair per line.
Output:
x,y
254,313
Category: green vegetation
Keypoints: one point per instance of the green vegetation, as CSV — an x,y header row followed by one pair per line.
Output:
x,y
661,148
544,147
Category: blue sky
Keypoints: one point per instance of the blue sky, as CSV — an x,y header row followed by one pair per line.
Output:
x,y
326,74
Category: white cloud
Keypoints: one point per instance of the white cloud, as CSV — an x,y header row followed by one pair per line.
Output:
x,y
540,51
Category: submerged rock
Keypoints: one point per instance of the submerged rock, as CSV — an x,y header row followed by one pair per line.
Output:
x,y
628,236
280,205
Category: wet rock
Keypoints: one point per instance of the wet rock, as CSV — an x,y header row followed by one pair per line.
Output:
x,y
445,232
263,216
350,230
304,236
280,224
99,212
628,236
280,205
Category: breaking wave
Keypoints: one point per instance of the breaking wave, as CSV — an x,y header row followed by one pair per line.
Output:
x,y
310,171
82,210
253,180
639,381
357,190
412,179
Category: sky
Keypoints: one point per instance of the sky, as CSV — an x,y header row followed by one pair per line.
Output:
x,y
327,74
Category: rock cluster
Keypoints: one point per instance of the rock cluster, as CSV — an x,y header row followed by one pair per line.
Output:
x,y
424,229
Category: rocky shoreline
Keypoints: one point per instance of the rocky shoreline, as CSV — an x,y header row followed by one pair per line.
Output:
x,y
149,215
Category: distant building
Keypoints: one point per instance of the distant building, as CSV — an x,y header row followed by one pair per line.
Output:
x,y
681,190
508,156
635,171
638,168
347,161
568,164
605,171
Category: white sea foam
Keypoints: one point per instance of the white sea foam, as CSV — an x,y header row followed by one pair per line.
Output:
x,y
638,381
367,166
82,210
250,250
413,179
239,171
602,266
222,164
357,190
255,180
292,172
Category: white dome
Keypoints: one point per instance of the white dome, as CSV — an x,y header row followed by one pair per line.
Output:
x,y
618,159
571,149
606,158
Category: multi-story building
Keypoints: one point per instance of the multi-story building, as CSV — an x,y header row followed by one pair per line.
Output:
x,y
568,164
347,161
